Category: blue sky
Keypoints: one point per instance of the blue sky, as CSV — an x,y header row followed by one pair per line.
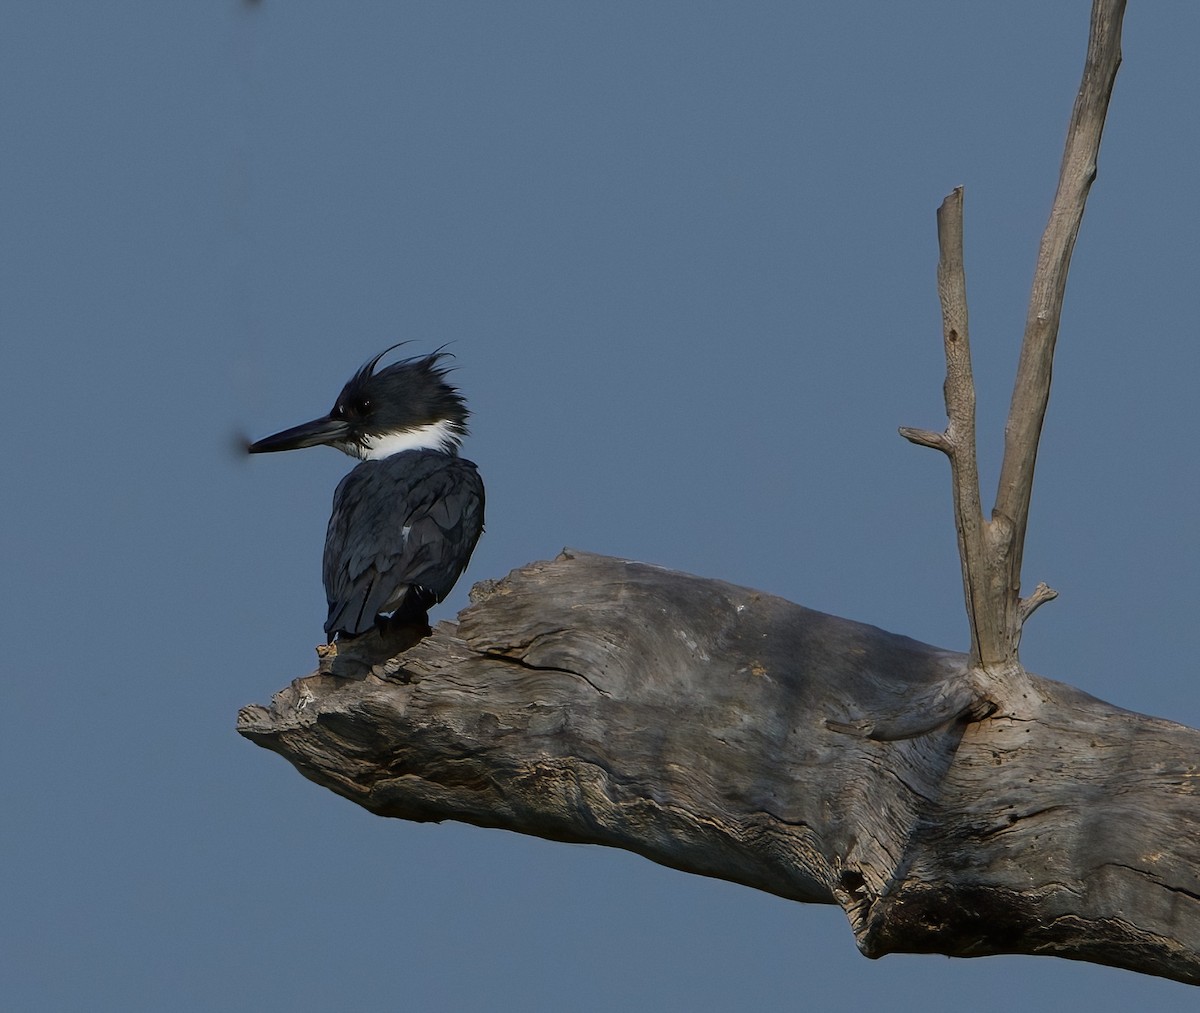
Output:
x,y
685,254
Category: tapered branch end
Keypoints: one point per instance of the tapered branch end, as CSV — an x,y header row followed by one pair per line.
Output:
x,y
952,202
926,438
1041,594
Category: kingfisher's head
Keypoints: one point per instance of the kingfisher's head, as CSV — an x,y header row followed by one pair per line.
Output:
x,y
405,406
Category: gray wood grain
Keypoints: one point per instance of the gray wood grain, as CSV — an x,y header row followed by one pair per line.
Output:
x,y
726,732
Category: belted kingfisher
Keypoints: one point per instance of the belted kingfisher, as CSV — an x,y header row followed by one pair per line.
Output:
x,y
406,519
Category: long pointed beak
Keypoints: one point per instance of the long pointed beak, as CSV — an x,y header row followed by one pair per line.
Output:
x,y
311,434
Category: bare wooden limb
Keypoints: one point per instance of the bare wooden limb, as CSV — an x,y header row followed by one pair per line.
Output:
x,y
1031,392
729,733
959,393
1041,594
991,551
958,442
926,438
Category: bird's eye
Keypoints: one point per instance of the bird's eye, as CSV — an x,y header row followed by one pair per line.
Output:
x,y
363,405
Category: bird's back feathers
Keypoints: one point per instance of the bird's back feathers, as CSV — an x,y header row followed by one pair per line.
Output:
x,y
401,533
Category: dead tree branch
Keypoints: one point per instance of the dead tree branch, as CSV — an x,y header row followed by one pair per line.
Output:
x,y
991,550
958,441
950,803
729,733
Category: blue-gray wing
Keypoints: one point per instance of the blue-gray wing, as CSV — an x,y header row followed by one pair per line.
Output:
x,y
401,533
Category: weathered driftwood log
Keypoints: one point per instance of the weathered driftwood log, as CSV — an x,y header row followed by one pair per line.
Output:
x,y
730,733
